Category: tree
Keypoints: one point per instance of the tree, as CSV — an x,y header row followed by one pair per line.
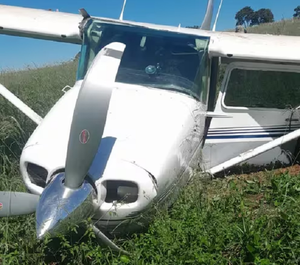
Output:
x,y
297,12
263,15
244,16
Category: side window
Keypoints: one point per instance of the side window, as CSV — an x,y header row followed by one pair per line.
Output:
x,y
262,89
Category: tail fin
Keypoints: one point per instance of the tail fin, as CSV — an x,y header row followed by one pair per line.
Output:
x,y
208,15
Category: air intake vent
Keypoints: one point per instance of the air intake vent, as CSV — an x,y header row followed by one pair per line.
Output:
x,y
121,191
37,174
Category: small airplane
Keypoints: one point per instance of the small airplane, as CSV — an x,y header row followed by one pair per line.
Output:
x,y
131,130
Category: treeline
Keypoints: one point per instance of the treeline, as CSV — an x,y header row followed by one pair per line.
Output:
x,y
248,17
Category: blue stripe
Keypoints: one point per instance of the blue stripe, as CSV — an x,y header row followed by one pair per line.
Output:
x,y
245,136
260,126
243,132
254,128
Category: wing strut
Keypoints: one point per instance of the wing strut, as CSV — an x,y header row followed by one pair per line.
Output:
x,y
20,105
255,152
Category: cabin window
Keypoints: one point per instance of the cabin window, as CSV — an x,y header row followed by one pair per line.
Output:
x,y
152,58
263,88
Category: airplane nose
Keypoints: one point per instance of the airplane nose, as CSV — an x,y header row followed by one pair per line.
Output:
x,y
60,206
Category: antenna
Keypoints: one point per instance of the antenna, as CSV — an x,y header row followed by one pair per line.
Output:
x,y
179,27
122,12
217,16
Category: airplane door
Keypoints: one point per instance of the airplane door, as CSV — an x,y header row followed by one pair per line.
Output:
x,y
262,100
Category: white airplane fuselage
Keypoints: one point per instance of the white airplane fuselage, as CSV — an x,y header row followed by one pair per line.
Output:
x,y
151,137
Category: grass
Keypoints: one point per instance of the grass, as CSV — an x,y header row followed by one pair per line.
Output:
x,y
289,27
241,219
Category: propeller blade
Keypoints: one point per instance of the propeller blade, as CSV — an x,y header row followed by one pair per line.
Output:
x,y
90,113
17,203
107,241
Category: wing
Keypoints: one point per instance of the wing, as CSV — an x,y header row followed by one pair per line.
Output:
x,y
40,24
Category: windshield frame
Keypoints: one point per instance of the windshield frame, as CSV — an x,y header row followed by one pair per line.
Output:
x,y
202,73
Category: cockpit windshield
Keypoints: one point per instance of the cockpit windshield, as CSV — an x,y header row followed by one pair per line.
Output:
x,y
152,58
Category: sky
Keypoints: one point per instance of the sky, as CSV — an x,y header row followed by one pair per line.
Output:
x,y
18,52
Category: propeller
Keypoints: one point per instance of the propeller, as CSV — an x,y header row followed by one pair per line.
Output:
x,y
90,114
17,203
69,197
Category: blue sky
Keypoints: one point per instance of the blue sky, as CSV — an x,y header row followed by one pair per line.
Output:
x,y
17,52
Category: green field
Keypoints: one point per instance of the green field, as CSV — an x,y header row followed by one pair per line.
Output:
x,y
240,219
